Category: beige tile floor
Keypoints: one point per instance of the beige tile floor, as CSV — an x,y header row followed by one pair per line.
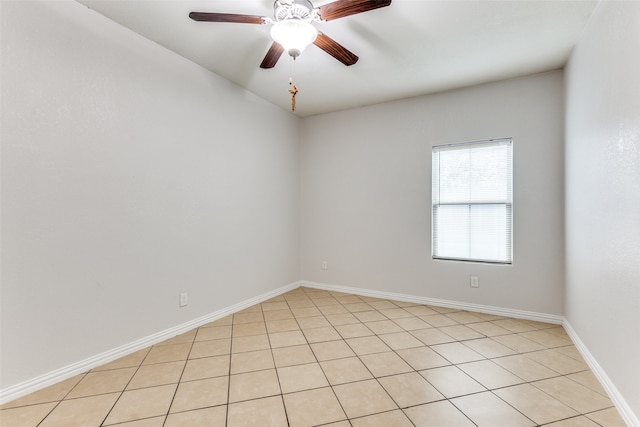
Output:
x,y
312,357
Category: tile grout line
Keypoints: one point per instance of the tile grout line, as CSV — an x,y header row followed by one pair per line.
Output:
x,y
320,366
358,356
123,389
166,416
273,359
453,364
60,401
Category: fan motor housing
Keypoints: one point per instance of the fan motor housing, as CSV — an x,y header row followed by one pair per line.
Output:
x,y
292,9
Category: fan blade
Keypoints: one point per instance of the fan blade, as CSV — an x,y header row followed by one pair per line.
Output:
x,y
272,56
226,17
335,49
342,8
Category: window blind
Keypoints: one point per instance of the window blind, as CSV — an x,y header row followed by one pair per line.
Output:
x,y
472,200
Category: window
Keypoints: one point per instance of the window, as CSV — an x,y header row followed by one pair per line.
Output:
x,y
472,201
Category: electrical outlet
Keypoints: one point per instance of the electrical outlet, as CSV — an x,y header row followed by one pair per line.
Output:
x,y
184,299
325,265
474,282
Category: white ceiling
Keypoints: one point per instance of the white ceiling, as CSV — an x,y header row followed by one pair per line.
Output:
x,y
409,48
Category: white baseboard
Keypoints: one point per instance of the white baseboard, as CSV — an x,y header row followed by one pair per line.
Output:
x,y
21,389
621,404
498,311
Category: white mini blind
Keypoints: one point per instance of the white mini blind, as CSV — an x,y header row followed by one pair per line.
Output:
x,y
472,200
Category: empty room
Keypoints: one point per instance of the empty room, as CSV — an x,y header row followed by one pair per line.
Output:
x,y
347,213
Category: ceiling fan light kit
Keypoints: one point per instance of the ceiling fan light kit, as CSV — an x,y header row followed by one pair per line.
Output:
x,y
294,35
293,30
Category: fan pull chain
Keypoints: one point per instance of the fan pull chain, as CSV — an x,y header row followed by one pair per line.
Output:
x,y
294,90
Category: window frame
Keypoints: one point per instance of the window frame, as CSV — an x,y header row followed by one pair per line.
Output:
x,y
508,204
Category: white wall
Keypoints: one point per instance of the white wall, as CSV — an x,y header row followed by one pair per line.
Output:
x,y
603,193
366,194
129,175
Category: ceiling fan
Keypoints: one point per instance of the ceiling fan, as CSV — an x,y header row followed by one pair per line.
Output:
x,y
292,30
